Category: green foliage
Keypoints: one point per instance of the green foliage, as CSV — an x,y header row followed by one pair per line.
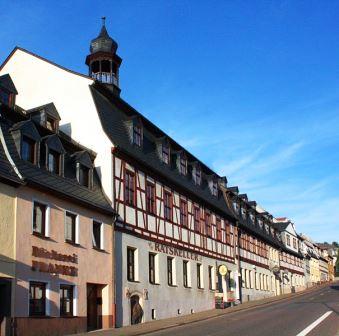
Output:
x,y
335,244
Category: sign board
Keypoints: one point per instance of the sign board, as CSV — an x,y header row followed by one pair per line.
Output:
x,y
219,301
230,296
223,270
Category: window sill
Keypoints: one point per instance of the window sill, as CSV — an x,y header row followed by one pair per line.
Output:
x,y
188,287
40,316
172,285
201,289
72,243
39,235
68,316
155,283
98,249
133,281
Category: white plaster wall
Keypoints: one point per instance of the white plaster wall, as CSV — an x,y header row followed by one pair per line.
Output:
x,y
39,82
250,294
165,299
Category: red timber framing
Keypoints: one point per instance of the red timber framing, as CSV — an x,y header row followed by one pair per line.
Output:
x,y
185,225
253,250
291,263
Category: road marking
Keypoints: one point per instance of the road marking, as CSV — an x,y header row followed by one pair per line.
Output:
x,y
314,324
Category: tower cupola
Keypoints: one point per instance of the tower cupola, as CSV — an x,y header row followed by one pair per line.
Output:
x,y
103,61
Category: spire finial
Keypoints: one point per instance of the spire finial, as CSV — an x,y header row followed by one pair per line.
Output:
x,y
103,21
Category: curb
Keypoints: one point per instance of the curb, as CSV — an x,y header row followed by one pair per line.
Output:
x,y
219,313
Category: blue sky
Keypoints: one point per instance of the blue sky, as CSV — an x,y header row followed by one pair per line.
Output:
x,y
250,87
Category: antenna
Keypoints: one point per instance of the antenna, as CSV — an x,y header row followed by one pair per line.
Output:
x,y
103,20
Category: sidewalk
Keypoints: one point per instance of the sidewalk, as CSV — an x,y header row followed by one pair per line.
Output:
x,y
152,326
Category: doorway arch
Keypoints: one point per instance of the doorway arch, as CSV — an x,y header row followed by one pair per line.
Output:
x,y
136,309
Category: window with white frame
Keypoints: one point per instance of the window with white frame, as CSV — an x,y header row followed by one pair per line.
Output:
x,y
153,268
186,273
211,277
71,227
132,264
200,276
40,225
98,235
171,271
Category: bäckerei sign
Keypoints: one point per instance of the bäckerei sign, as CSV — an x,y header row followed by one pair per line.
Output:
x,y
175,252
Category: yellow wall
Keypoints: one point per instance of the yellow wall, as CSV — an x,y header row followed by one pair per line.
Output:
x,y
314,270
7,230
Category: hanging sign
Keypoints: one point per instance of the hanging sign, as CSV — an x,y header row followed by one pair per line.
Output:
x,y
223,270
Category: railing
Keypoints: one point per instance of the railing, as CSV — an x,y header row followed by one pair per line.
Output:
x,y
106,77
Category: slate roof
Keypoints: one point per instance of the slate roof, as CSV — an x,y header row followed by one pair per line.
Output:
x,y
49,108
7,83
281,226
114,114
7,172
65,187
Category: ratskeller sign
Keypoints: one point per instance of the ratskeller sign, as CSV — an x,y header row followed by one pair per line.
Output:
x,y
172,251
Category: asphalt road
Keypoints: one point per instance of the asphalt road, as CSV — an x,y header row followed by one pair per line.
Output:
x,y
292,317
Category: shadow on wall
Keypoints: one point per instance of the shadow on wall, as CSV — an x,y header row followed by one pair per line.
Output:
x,y
14,294
119,279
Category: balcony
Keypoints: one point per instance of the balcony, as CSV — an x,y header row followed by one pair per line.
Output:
x,y
106,78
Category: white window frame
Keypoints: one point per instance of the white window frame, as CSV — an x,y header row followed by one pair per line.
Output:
x,y
77,224
102,233
47,216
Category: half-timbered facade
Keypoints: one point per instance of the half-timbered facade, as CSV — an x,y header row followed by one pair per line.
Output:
x,y
259,244
291,259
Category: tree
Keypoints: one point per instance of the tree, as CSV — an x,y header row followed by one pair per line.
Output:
x,y
337,263
335,244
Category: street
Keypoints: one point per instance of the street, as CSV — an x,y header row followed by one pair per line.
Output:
x,y
317,310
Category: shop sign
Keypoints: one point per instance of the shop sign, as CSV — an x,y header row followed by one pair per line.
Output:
x,y
172,251
52,268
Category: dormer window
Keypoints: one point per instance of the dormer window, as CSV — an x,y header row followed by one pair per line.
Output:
x,y
5,97
84,175
28,149
197,175
7,91
243,212
51,124
165,152
214,188
53,162
137,134
183,164
47,116
84,168
52,154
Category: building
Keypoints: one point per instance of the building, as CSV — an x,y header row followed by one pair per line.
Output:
x,y
180,231
169,203
58,225
258,249
9,182
311,253
291,260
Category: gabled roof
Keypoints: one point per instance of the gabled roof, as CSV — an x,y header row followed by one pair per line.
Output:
x,y
49,108
113,117
16,49
7,83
